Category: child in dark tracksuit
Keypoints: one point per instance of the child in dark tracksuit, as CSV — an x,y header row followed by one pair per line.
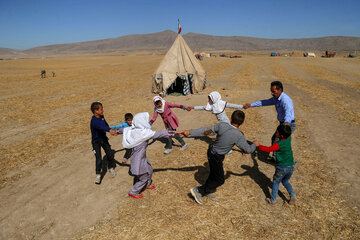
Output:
x,y
227,136
284,162
99,127
127,123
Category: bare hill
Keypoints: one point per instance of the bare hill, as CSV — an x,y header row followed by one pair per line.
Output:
x,y
201,41
198,42
6,52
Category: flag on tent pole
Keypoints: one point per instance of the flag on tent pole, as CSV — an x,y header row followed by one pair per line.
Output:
x,y
179,27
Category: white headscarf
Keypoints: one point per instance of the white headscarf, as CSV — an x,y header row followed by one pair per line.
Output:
x,y
218,105
157,98
139,132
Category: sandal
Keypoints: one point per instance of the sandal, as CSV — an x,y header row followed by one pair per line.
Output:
x,y
151,187
136,196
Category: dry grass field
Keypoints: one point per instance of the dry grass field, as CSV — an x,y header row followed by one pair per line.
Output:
x,y
47,166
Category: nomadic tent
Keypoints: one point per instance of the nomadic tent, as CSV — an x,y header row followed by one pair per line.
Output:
x,y
179,71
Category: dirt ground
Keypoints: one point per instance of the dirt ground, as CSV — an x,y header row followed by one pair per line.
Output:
x,y
47,168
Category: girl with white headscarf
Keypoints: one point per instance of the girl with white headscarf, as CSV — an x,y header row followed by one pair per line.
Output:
x,y
217,106
136,137
170,120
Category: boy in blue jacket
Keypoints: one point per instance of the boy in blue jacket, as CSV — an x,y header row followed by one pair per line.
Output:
x,y
127,123
99,127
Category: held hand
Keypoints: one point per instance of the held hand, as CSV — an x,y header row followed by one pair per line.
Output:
x,y
256,143
187,133
113,132
180,133
247,105
188,108
184,133
207,132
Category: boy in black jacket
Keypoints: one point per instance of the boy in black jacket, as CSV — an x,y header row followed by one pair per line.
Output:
x,y
99,127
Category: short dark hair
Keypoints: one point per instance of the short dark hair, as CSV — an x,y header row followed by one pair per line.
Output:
x,y
128,116
95,106
278,85
284,130
238,117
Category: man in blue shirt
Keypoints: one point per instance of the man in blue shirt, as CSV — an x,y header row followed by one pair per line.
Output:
x,y
283,105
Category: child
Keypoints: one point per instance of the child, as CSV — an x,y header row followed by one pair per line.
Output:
x,y
217,106
284,162
136,137
99,127
170,120
228,135
126,123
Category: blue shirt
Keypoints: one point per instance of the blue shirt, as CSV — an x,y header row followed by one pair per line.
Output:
x,y
122,125
283,105
99,127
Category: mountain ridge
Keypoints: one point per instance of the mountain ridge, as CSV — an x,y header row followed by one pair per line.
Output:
x,y
197,42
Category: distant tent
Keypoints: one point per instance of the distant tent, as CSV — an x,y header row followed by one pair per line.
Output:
x,y
179,71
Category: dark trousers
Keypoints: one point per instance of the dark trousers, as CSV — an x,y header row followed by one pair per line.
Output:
x,y
97,144
177,137
216,177
127,153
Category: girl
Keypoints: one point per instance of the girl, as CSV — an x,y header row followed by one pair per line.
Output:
x,y
217,106
171,122
136,137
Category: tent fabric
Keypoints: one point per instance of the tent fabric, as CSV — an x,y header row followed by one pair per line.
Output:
x,y
180,62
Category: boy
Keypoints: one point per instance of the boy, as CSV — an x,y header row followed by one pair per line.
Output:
x,y
284,162
228,135
127,123
99,127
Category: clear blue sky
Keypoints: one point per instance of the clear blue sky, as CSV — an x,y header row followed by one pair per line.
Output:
x,y
30,23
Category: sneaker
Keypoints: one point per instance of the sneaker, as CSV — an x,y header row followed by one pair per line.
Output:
x,y
229,153
210,195
269,201
137,196
196,194
168,150
292,200
151,187
112,172
98,179
184,147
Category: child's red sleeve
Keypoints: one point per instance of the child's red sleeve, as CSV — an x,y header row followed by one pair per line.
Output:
x,y
272,148
174,105
154,117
